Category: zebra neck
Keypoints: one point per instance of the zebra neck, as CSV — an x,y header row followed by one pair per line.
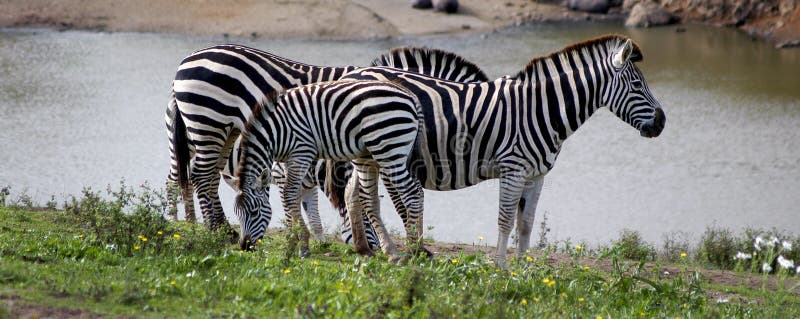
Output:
x,y
566,95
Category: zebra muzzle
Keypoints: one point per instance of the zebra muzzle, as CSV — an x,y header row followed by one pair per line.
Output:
x,y
654,127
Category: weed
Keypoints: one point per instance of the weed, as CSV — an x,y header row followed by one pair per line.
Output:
x,y
630,245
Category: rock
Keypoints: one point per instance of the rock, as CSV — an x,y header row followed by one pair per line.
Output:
x,y
449,6
627,5
786,6
593,6
648,14
421,4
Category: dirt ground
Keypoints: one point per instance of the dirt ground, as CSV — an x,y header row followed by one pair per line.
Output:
x,y
274,18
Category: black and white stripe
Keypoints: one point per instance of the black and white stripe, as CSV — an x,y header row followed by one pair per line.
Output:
x,y
373,123
513,128
214,91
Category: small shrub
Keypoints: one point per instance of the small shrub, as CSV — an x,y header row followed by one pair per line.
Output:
x,y
717,247
675,244
630,245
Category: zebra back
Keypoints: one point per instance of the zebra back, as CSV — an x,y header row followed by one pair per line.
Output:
x,y
432,62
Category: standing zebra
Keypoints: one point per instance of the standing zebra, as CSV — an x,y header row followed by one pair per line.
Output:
x,y
214,90
513,128
376,123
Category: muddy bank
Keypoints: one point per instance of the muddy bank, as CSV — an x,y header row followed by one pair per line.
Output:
x,y
776,21
276,18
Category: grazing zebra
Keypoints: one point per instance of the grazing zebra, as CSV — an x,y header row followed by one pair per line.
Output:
x,y
372,122
214,90
513,128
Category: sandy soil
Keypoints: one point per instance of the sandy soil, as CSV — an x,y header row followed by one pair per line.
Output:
x,y
277,18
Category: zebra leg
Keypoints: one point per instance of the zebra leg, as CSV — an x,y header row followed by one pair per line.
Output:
x,y
526,212
296,169
311,207
188,203
409,191
351,193
355,209
511,186
368,194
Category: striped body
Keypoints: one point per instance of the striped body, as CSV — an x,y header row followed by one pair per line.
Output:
x,y
214,92
374,122
513,128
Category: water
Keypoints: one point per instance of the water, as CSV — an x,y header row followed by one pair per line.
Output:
x,y
86,109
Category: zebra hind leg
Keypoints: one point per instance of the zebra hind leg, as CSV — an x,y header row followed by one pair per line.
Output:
x,y
409,195
354,232
368,195
511,187
310,205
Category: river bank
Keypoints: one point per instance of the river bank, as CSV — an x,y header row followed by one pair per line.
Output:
x,y
775,21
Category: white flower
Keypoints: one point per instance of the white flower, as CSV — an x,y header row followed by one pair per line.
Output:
x,y
785,263
773,241
111,246
797,271
742,256
723,300
766,267
787,246
757,244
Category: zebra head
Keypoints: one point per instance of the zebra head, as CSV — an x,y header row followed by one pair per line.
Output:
x,y
626,93
253,210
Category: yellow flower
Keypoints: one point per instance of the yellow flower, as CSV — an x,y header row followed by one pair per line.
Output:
x,y
683,255
315,262
176,236
598,317
529,258
160,233
454,261
173,283
513,274
544,281
480,238
586,268
578,247
551,283
259,240
143,239
581,299
524,301
287,271
80,236
136,247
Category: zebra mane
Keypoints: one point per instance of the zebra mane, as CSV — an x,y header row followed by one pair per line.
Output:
x,y
269,101
414,55
636,55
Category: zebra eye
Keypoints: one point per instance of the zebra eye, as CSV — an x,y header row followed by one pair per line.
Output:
x,y
636,85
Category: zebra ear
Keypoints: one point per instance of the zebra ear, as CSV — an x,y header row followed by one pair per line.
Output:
x,y
263,181
623,54
231,180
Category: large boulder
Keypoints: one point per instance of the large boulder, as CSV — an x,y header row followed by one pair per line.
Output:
x,y
449,6
421,4
593,6
648,14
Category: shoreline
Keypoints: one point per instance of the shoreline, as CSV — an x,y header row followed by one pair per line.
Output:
x,y
331,19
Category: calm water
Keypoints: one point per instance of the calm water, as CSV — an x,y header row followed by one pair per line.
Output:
x,y
86,109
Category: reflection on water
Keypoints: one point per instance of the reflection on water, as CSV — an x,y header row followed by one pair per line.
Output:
x,y
86,109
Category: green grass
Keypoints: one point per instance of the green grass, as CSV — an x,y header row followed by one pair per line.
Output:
x,y
60,260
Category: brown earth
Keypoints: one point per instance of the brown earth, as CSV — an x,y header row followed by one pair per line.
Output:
x,y
274,18
777,21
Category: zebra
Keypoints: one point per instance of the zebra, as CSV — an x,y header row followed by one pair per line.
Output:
x,y
214,90
374,123
513,128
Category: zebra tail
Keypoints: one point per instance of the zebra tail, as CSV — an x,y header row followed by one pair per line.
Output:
x,y
335,184
181,146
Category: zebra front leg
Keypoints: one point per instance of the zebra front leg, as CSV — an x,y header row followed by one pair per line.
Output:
x,y
296,168
354,211
526,212
511,186
368,193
